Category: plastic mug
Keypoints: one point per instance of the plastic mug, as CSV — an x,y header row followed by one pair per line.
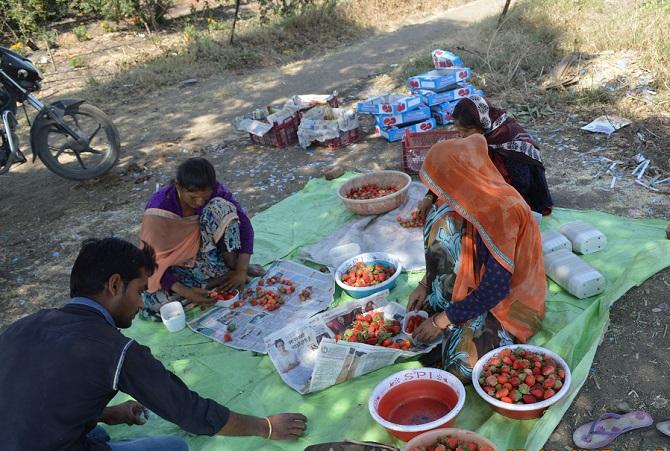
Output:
x,y
173,316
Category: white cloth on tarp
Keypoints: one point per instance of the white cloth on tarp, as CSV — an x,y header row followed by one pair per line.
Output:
x,y
385,234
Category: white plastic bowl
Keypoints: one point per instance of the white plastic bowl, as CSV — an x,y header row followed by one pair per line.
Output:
x,y
369,257
521,411
430,437
229,302
173,316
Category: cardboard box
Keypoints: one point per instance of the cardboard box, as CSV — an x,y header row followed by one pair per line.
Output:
x,y
454,92
419,114
389,104
393,134
439,79
442,112
444,58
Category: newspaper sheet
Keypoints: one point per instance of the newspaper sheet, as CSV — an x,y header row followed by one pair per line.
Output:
x,y
308,358
245,327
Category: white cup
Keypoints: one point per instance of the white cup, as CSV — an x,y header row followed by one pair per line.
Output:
x,y
173,316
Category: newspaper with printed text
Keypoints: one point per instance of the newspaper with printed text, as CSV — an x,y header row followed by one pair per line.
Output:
x,y
309,358
245,327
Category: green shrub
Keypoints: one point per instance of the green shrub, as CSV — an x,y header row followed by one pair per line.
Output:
x,y
81,33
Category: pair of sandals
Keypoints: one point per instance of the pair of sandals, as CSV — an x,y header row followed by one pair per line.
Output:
x,y
608,426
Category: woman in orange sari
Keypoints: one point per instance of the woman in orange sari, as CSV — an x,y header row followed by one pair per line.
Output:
x,y
485,278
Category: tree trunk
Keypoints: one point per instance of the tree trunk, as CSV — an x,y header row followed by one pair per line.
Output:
x,y
504,12
232,31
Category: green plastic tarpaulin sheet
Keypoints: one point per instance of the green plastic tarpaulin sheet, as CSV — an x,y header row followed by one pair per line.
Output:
x,y
249,384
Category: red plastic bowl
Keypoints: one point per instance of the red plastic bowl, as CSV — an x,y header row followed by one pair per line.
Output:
x,y
414,401
429,438
520,411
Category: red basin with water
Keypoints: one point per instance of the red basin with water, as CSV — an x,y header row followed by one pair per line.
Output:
x,y
414,401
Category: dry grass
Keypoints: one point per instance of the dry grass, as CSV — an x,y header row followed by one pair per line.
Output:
x,y
204,52
509,61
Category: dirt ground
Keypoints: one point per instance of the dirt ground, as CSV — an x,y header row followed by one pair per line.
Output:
x,y
44,218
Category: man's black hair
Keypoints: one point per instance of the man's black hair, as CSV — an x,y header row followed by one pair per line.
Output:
x,y
196,174
278,340
99,259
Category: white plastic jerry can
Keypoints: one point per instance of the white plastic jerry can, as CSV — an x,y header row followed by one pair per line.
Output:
x,y
553,240
585,238
573,274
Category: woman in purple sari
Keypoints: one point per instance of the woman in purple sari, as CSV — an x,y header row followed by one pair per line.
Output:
x,y
202,237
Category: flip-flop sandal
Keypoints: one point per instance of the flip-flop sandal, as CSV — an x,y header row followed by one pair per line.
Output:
x,y
608,427
664,427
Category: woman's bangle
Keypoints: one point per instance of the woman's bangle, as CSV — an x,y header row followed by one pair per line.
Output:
x,y
269,428
432,321
423,284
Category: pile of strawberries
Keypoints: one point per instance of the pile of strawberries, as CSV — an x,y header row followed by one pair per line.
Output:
x,y
362,275
521,377
373,329
448,443
413,221
371,191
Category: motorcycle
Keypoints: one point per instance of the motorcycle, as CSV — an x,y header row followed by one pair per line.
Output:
x,y
73,138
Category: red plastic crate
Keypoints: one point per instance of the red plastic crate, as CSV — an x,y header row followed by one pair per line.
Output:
x,y
415,146
280,135
345,138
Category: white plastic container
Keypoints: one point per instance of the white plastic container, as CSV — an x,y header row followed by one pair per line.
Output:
x,y
553,240
585,238
338,254
229,302
173,316
573,274
410,315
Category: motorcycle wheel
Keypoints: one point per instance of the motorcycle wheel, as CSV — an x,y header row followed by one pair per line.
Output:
x,y
57,149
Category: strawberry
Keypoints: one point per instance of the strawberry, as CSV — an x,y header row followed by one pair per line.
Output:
x,y
227,337
529,399
537,392
548,394
530,380
547,370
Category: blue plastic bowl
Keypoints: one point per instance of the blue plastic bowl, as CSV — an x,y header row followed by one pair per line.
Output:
x,y
368,258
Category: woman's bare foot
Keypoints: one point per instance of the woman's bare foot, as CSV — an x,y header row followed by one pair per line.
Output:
x,y
255,271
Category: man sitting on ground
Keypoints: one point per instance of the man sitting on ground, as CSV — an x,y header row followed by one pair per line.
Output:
x,y
61,367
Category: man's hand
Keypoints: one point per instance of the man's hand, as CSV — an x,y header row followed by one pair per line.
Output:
x,y
417,298
129,412
287,426
234,280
